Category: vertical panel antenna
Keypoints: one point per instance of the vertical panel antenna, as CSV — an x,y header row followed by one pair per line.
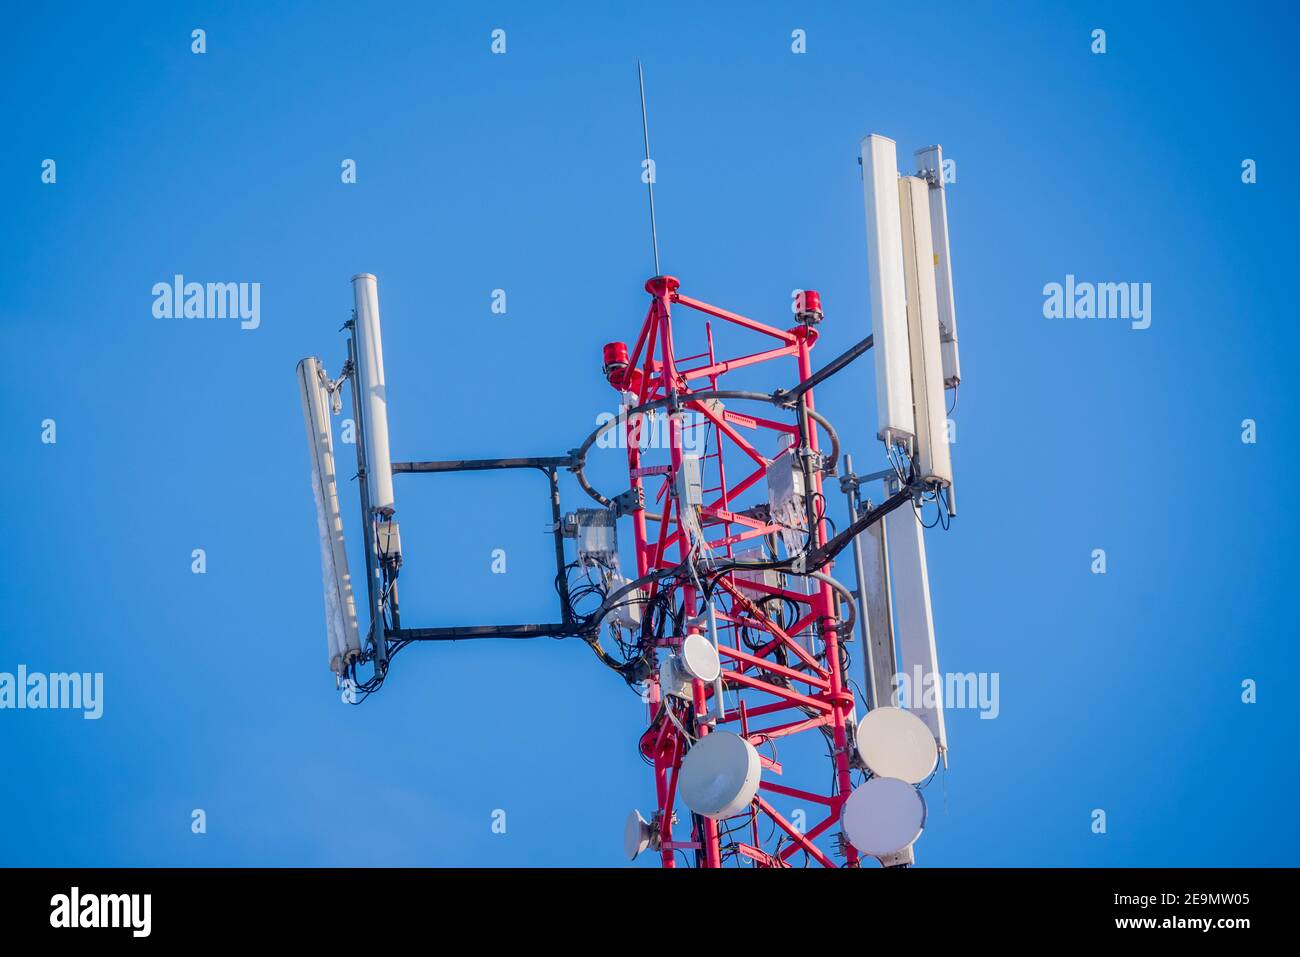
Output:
x,y
649,167
888,292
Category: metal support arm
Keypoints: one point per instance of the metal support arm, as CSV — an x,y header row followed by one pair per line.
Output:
x,y
550,466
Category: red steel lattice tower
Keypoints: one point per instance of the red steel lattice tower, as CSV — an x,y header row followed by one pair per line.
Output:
x,y
780,646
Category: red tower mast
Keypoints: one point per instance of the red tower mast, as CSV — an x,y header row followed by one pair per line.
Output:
x,y
780,647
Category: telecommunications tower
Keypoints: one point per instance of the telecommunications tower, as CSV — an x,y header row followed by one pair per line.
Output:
x,y
710,580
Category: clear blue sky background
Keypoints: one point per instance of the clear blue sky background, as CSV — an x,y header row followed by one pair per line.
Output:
x,y
521,172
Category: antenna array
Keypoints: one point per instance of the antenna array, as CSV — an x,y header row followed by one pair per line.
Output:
x,y
729,622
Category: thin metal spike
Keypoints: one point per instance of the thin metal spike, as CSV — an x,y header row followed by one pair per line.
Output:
x,y
650,184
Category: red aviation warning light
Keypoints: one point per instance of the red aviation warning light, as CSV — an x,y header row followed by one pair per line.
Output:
x,y
808,307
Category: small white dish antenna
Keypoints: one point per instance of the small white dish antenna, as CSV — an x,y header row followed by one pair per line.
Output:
x,y
696,659
700,658
636,835
883,816
894,743
719,775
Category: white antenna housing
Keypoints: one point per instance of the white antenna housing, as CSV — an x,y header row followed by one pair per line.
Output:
x,y
914,622
880,660
888,299
340,607
894,743
933,457
719,775
698,659
930,166
370,359
636,835
883,816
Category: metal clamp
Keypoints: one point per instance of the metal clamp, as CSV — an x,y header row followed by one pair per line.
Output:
x,y
633,500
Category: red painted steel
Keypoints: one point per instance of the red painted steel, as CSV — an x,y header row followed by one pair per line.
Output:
x,y
764,661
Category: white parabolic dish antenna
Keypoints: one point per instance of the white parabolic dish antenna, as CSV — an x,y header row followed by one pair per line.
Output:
x,y
636,835
719,775
894,743
883,815
699,658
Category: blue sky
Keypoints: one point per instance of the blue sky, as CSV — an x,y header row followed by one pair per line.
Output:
x,y
1119,691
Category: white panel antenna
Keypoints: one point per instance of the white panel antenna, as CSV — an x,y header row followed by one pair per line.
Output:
x,y
880,659
914,623
340,607
370,359
933,457
930,168
888,299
